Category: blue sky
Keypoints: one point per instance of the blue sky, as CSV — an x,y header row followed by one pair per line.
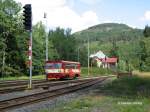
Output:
x,y
80,14
130,12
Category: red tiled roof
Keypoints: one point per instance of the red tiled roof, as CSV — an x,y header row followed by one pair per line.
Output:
x,y
109,60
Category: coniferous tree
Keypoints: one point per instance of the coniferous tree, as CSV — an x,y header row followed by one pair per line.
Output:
x,y
142,55
146,31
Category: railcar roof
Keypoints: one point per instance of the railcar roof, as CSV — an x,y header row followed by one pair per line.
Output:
x,y
62,61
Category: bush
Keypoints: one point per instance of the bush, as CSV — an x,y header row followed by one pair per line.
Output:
x,y
9,71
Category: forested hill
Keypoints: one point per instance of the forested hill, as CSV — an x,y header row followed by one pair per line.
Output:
x,y
109,31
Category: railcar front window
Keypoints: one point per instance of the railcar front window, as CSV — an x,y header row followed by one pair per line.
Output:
x,y
68,66
53,66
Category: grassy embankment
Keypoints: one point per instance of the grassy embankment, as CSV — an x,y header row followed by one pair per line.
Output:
x,y
94,71
141,74
128,94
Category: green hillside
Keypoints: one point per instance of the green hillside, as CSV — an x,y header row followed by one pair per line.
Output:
x,y
120,40
109,31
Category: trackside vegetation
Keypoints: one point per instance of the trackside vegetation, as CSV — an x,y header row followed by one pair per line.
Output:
x,y
95,71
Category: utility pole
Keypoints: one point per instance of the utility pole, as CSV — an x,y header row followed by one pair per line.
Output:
x,y
78,55
46,38
88,56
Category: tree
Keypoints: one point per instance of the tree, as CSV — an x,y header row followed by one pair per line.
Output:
x,y
83,57
142,55
38,58
10,30
146,31
114,50
64,43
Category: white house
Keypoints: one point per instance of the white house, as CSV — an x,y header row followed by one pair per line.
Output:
x,y
103,61
98,56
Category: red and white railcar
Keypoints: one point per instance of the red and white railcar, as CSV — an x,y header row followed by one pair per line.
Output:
x,y
62,69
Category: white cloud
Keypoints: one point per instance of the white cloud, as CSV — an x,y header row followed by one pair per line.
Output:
x,y
60,14
146,16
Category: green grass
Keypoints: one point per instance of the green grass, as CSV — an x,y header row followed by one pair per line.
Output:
x,y
102,104
127,94
94,71
129,86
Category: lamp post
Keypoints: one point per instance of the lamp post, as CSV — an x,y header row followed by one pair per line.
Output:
x,y
46,39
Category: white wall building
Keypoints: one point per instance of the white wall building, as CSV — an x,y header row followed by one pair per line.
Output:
x,y
97,56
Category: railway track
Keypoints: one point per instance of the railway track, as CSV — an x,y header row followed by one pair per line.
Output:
x,y
38,84
17,82
18,86
48,94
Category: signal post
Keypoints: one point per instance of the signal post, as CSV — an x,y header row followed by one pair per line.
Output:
x,y
28,27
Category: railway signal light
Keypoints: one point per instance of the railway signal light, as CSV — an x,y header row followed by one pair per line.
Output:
x,y
27,13
27,17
